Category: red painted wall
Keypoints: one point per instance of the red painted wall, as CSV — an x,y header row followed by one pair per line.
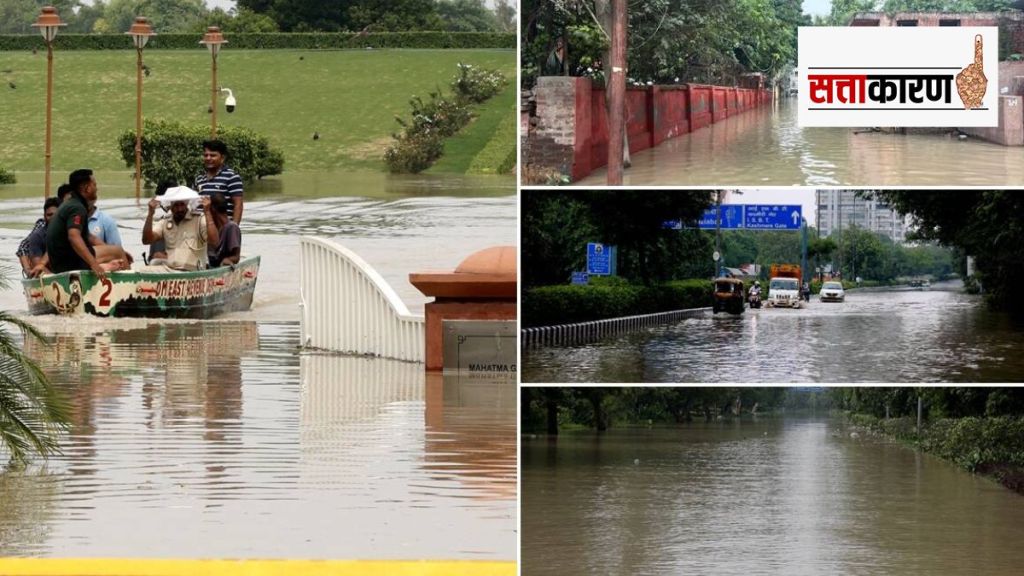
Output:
x,y
653,114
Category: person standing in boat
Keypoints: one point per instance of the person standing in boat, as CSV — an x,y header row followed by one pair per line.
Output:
x,y
217,177
186,233
69,245
229,250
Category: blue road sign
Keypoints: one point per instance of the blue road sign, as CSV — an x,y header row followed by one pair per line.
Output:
x,y
749,217
580,278
772,216
599,259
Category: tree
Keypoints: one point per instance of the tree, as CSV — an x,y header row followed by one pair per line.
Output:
x,y
167,16
238,21
467,16
32,412
505,13
986,224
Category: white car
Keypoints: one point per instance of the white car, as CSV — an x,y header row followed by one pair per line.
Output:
x,y
832,292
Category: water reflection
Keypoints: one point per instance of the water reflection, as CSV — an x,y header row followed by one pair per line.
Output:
x,y
767,147
757,496
218,439
940,335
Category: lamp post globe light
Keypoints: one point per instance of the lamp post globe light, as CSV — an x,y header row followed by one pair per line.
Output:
x,y
140,33
48,24
213,40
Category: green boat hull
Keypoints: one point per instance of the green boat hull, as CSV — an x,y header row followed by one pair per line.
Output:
x,y
199,294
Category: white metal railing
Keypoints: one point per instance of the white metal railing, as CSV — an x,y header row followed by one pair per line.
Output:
x,y
586,332
348,307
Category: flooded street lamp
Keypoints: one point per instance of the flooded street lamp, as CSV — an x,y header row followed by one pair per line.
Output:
x,y
140,33
48,24
212,40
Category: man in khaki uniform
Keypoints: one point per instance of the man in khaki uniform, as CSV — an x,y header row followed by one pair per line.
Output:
x,y
186,233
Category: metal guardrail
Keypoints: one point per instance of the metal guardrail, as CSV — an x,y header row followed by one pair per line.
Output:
x,y
348,307
147,567
585,332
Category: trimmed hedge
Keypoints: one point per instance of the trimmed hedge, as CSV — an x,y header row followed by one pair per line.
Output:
x,y
992,446
7,177
271,41
551,305
173,151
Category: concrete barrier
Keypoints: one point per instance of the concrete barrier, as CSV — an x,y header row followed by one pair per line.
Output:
x,y
586,332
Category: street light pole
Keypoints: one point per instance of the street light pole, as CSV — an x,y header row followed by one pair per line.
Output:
x,y
213,40
140,33
48,24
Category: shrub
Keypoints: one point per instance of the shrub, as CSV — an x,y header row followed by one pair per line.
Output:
x,y
421,141
174,151
279,40
7,177
474,84
550,305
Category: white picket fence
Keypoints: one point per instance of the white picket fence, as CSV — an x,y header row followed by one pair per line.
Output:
x,y
348,307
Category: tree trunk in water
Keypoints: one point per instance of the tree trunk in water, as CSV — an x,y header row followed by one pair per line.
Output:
x,y
615,87
552,407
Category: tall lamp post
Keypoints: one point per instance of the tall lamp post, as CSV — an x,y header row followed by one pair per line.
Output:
x,y
48,24
140,33
212,40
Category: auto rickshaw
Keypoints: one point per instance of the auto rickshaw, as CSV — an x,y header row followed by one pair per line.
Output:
x,y
729,296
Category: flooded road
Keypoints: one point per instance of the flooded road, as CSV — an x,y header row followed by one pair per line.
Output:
x,y
939,335
766,147
219,439
767,496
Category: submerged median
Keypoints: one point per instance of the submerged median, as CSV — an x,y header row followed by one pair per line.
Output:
x,y
992,446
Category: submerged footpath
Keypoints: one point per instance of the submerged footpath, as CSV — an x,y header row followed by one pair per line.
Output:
x,y
989,446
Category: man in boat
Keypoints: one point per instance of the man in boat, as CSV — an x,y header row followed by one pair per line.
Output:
x,y
69,245
186,233
158,249
33,248
39,228
103,227
228,251
217,177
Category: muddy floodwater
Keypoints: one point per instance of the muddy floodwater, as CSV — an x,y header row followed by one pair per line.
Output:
x,y
788,495
220,439
766,147
888,335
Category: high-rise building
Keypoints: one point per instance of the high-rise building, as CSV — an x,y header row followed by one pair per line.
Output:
x,y
840,209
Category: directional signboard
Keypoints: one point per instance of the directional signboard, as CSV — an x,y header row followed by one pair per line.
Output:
x,y
771,216
749,217
600,259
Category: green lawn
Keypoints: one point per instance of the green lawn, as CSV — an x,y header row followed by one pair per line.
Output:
x,y
350,97
484,144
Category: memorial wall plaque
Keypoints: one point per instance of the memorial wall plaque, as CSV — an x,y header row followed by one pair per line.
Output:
x,y
480,347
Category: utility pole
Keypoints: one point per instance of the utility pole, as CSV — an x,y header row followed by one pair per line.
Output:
x,y
803,250
616,86
718,230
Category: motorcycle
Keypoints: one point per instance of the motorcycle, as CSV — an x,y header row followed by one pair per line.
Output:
x,y
755,299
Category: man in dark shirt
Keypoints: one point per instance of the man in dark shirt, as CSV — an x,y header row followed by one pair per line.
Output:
x,y
69,245
228,251
33,247
40,225
219,178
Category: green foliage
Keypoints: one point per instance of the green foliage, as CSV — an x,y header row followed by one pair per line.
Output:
x,y
273,41
704,41
984,223
467,16
557,226
173,151
164,15
565,304
421,141
473,84
33,413
378,15
7,176
600,408
243,21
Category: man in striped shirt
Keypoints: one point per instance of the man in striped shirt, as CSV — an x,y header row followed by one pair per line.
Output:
x,y
219,178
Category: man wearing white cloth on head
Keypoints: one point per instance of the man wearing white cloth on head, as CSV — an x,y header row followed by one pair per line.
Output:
x,y
186,233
